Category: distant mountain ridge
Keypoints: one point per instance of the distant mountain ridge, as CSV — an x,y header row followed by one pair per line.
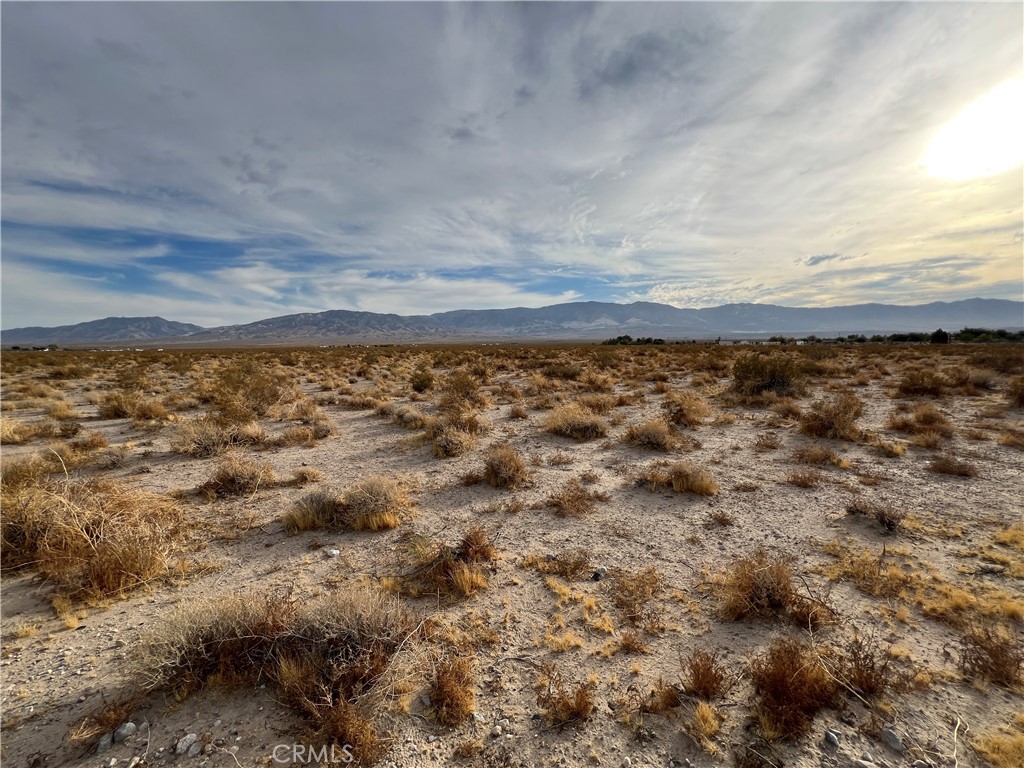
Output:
x,y
105,330
576,320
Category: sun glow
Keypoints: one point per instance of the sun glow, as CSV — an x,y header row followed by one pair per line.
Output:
x,y
985,139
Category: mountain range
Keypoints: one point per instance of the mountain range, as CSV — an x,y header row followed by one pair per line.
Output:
x,y
588,320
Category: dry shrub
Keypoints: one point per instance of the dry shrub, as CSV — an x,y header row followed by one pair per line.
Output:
x,y
564,703
207,436
1002,748
767,442
92,538
518,412
686,408
374,504
505,467
654,434
62,410
868,669
245,390
335,659
1014,438
571,565
760,585
1015,391
756,375
787,408
460,390
237,476
834,418
454,433
452,691
948,465
445,571
890,518
421,380
21,471
118,405
634,595
149,410
920,382
576,422
681,477
13,432
704,675
574,500
792,686
599,404
993,652
805,478
819,454
662,699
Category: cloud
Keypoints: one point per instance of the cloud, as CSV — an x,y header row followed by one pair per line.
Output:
x,y
708,150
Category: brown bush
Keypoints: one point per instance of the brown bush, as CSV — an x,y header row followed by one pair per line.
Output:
x,y
374,504
834,418
446,571
686,408
564,703
654,434
90,538
452,694
704,675
792,686
576,422
920,382
634,595
1015,391
681,477
992,652
505,467
760,585
574,500
948,465
757,375
238,476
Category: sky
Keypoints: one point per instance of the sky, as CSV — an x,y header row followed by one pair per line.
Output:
x,y
222,163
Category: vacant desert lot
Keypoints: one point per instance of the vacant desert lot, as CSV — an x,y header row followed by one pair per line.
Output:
x,y
515,556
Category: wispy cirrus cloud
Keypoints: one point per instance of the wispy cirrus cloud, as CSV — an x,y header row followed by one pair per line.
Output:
x,y
240,160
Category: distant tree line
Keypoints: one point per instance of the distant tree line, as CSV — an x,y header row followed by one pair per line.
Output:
x,y
629,340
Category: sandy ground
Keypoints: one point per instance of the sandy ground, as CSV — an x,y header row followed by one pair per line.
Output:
x,y
57,675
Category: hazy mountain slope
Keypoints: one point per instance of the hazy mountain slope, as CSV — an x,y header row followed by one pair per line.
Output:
x,y
94,331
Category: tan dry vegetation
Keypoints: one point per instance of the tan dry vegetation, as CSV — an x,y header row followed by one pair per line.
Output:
x,y
658,601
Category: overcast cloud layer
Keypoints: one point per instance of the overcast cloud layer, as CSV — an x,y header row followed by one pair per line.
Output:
x,y
221,163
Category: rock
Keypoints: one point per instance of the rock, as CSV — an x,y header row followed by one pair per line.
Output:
x,y
135,762
864,764
626,762
866,757
195,749
477,717
124,731
333,552
496,731
431,738
425,700
111,762
185,743
921,764
599,573
505,724
892,740
104,744
831,739
219,742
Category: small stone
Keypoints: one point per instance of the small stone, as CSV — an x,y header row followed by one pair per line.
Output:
x,y
599,573
333,552
866,757
195,749
105,741
864,764
831,739
219,742
425,700
431,738
124,731
626,762
921,764
135,762
505,724
892,740
111,762
496,731
216,723
184,743
477,717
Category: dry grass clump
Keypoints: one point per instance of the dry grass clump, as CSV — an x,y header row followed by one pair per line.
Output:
x,y
819,454
452,690
460,390
993,652
686,408
208,436
245,390
834,418
375,504
564,703
1015,391
868,669
760,586
442,570
14,432
890,518
920,382
704,675
576,422
599,404
1014,438
681,477
787,408
805,478
654,434
62,410
335,659
91,539
634,595
21,471
455,433
792,687
574,500
237,476
949,465
1002,748
756,375
570,565
505,467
